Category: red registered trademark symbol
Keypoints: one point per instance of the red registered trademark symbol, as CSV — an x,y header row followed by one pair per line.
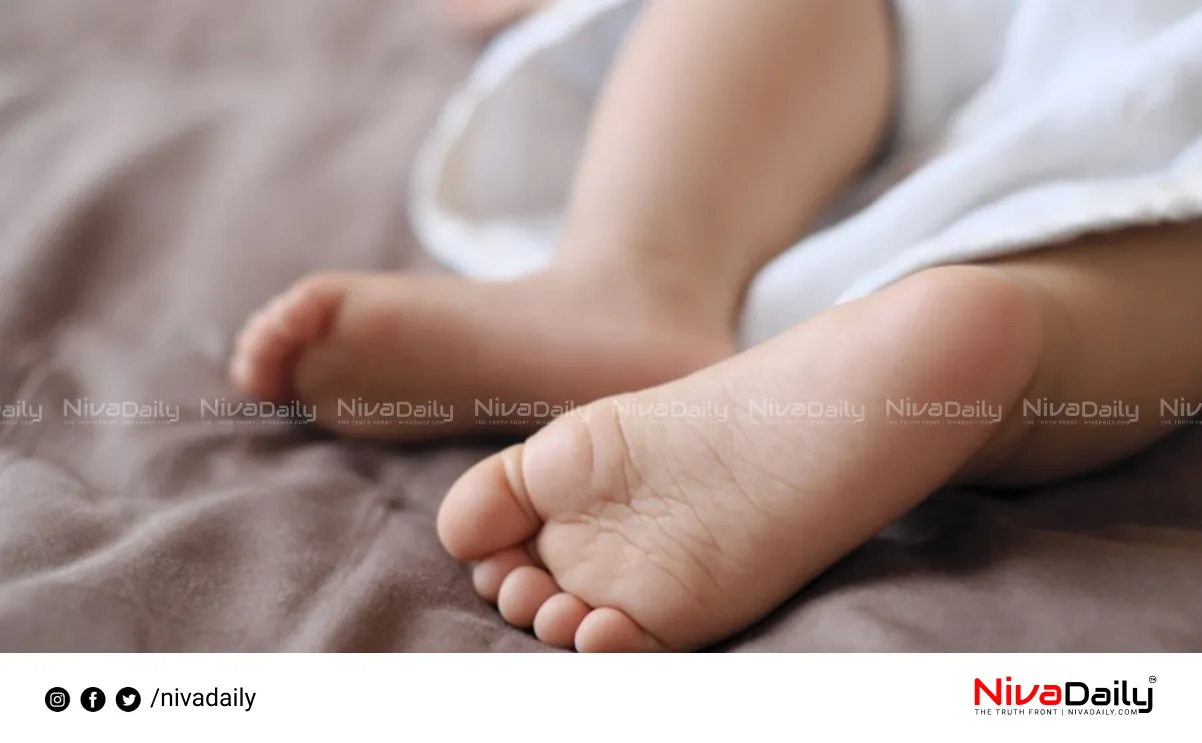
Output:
x,y
1151,679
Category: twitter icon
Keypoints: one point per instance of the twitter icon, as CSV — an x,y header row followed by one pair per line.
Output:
x,y
128,699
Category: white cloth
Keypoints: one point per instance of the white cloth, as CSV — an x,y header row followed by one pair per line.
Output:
x,y
1021,123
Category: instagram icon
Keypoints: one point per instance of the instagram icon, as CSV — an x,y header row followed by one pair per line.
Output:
x,y
57,699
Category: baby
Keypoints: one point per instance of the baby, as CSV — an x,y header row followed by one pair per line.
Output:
x,y
610,529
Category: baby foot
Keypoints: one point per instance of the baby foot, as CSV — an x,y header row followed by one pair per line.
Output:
x,y
624,528
485,17
409,357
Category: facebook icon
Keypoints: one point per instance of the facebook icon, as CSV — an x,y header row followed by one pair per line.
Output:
x,y
92,699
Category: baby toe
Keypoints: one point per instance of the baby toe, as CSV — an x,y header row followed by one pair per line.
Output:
x,y
558,619
490,573
610,631
523,593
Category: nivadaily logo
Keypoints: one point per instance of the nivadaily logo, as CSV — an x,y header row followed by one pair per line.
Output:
x,y
1069,698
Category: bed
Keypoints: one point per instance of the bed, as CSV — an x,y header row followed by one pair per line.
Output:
x,y
167,166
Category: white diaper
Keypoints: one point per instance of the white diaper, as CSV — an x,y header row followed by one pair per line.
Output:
x,y
1021,123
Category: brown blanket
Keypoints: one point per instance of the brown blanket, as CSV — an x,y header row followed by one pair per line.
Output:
x,y
165,166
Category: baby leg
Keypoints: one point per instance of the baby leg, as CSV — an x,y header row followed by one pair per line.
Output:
x,y
692,179
1120,313
678,515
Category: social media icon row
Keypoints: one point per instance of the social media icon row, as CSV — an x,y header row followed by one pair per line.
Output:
x,y
92,699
